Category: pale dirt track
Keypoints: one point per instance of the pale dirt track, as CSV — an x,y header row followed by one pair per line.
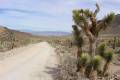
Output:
x,y
33,62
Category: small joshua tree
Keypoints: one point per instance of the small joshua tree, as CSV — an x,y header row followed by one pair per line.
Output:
x,y
108,56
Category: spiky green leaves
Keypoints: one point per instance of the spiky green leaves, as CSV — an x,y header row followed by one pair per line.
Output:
x,y
79,17
109,18
96,62
88,13
82,16
84,59
76,16
106,54
109,56
102,49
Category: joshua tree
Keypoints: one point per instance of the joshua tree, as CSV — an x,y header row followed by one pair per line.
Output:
x,y
108,56
87,21
78,40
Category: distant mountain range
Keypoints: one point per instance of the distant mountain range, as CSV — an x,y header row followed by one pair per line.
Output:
x,y
47,33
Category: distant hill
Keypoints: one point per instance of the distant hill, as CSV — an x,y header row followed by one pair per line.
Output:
x,y
12,38
48,33
9,33
114,29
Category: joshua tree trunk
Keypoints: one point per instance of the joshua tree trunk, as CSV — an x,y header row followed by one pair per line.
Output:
x,y
106,67
93,75
79,52
82,71
92,49
92,42
93,46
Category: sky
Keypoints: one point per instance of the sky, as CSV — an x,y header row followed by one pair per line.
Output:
x,y
48,15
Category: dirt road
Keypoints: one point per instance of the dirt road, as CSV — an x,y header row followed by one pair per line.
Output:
x,y
33,62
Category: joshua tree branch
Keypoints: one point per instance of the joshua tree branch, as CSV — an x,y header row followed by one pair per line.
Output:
x,y
97,9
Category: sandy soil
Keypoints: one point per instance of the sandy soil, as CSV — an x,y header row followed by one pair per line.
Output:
x,y
33,62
